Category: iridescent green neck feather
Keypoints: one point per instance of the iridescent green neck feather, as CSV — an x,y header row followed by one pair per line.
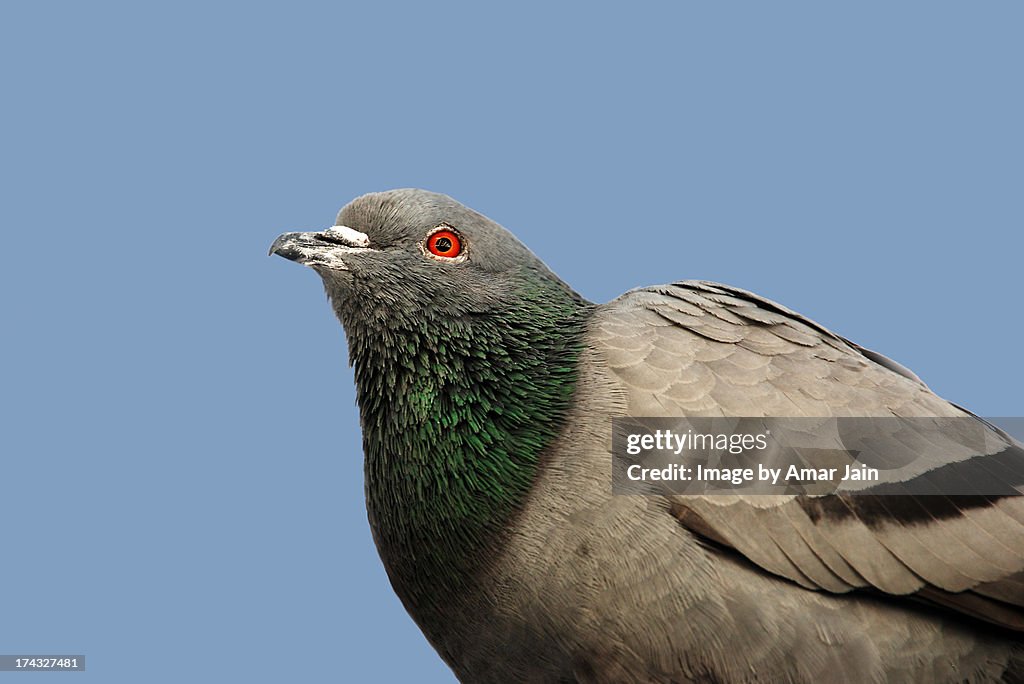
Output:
x,y
456,413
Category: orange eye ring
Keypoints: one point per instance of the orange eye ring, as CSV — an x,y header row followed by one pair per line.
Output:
x,y
445,244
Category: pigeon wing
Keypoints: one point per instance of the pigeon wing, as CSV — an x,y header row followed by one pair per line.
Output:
x,y
696,348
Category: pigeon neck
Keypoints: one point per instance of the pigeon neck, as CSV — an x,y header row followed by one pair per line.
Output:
x,y
455,416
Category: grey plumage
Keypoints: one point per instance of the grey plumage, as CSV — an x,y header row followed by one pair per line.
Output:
x,y
574,583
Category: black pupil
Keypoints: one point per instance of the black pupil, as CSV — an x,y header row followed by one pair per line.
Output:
x,y
443,244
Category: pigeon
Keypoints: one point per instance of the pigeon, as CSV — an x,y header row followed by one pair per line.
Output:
x,y
486,388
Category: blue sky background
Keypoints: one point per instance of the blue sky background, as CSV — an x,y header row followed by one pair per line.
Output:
x,y
183,501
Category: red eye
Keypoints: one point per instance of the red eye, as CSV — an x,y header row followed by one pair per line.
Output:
x,y
444,243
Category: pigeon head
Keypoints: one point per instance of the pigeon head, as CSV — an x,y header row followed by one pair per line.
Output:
x,y
414,256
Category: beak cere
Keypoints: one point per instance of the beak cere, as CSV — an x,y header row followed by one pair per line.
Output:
x,y
326,249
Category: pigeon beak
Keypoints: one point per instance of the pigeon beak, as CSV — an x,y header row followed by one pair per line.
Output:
x,y
326,249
